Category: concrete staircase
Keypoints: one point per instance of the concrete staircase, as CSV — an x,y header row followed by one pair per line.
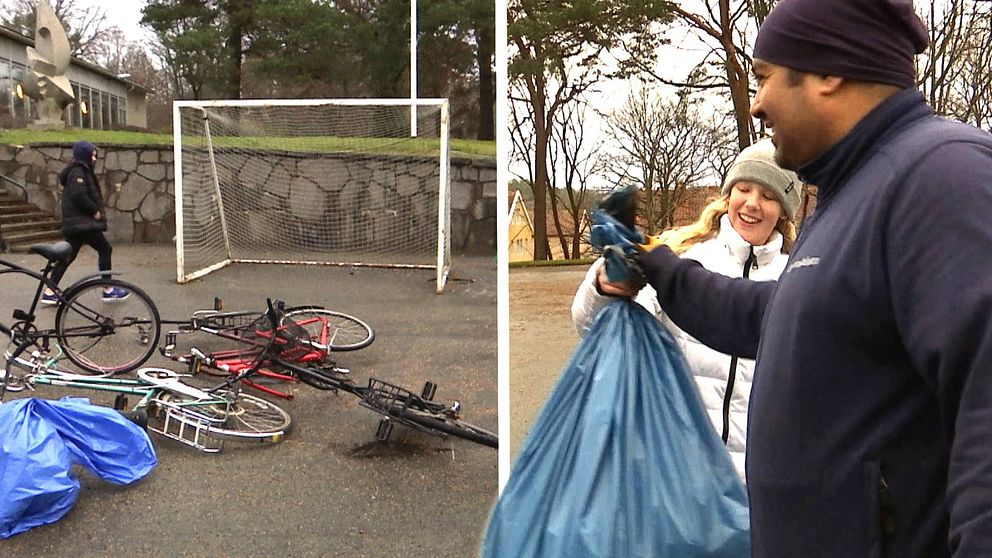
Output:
x,y
22,223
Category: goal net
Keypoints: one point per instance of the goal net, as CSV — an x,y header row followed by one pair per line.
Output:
x,y
313,182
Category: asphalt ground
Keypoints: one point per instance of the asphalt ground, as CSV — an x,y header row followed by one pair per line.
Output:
x,y
329,488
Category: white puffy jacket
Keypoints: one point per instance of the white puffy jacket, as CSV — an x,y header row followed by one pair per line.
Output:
x,y
724,254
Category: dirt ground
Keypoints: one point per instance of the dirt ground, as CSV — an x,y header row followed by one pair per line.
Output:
x,y
541,339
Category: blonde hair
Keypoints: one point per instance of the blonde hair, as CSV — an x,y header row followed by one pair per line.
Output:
x,y
682,238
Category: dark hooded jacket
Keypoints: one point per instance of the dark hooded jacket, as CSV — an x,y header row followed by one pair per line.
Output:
x,y
81,195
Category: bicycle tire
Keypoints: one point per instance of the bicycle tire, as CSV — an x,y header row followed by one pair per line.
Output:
x,y
447,425
107,337
346,332
247,418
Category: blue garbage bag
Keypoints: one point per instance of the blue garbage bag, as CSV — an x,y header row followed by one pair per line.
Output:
x,y
623,460
40,440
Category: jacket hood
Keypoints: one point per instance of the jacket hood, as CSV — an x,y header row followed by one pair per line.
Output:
x,y
82,151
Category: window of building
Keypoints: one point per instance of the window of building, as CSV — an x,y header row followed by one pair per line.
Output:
x,y
6,101
20,105
72,109
115,111
85,108
105,122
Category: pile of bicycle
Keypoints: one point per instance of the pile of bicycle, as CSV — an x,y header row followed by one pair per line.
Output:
x,y
109,340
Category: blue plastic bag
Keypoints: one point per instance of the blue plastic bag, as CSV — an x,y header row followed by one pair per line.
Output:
x,y
615,241
623,460
40,440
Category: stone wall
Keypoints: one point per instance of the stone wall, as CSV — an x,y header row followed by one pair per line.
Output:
x,y
139,189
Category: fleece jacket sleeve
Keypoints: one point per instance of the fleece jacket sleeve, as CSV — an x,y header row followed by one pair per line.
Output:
x,y
722,312
939,249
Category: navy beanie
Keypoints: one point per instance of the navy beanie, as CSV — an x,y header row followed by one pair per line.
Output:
x,y
82,151
864,40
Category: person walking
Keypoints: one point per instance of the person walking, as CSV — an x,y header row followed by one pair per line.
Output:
x,y
84,218
870,426
746,232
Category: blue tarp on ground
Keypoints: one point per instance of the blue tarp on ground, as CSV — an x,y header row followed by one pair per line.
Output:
x,y
40,440
623,460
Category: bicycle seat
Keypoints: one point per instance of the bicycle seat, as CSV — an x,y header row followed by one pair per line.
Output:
x,y
54,252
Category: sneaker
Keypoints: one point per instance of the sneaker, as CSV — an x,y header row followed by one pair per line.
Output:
x,y
115,294
49,299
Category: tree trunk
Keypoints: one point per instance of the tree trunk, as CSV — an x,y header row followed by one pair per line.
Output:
x,y
562,241
541,251
487,86
232,85
737,78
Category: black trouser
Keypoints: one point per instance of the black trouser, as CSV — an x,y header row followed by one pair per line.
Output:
x,y
94,239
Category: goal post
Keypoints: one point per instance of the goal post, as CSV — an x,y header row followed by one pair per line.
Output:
x,y
336,182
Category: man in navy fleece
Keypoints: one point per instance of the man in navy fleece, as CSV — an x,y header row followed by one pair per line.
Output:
x,y
870,428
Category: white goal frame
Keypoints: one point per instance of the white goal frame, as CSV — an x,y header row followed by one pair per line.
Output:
x,y
443,261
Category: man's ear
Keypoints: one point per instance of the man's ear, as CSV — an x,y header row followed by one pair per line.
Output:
x,y
829,85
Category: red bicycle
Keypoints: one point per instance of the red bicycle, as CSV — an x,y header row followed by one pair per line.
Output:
x,y
316,334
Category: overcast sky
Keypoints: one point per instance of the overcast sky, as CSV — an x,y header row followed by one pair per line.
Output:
x,y
125,14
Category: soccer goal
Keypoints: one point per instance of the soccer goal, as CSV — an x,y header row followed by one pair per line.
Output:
x,y
312,182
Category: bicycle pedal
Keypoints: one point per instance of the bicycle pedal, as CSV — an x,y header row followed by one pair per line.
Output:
x,y
139,417
194,365
430,388
384,429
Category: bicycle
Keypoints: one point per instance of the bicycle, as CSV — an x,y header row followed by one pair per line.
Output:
x,y
320,332
196,417
100,337
395,403
329,330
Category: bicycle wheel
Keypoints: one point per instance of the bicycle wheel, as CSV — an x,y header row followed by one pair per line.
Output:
x,y
448,425
239,416
335,330
107,336
250,418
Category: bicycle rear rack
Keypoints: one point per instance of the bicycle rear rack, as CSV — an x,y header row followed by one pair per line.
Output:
x,y
393,402
217,320
187,425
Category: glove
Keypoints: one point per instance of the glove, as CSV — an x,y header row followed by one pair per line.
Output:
x,y
622,206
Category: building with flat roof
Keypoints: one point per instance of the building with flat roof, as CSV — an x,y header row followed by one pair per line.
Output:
x,y
104,100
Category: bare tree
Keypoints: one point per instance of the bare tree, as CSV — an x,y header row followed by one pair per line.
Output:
x,y
521,130
87,27
955,73
725,26
662,148
559,50
573,161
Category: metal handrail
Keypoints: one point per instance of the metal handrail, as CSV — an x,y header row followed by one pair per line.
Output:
x,y
24,189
